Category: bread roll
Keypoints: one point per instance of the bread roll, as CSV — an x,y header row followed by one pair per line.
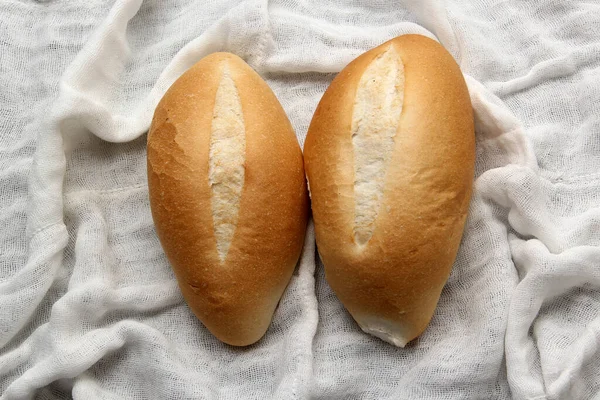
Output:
x,y
228,195
390,157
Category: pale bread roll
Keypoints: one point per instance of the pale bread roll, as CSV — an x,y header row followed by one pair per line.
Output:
x,y
228,195
390,156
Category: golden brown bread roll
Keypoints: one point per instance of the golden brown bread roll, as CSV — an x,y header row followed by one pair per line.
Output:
x,y
228,195
390,157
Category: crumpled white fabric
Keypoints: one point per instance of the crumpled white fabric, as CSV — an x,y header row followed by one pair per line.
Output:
x,y
89,307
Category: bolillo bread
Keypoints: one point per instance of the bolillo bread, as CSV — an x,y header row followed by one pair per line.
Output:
x,y
228,195
389,157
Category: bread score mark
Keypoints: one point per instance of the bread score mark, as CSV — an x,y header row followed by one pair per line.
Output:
x,y
226,162
375,120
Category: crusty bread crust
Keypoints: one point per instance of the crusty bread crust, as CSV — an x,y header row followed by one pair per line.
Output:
x,y
235,299
391,284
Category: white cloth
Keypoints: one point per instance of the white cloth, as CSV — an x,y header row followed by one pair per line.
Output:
x,y
89,307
